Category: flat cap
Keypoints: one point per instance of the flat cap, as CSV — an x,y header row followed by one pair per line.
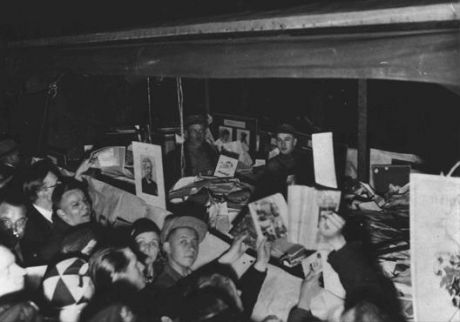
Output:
x,y
196,224
285,128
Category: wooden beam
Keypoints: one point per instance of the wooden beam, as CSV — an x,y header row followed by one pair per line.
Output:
x,y
308,18
363,148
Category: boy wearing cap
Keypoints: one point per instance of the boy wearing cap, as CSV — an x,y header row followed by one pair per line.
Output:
x,y
180,237
199,156
288,167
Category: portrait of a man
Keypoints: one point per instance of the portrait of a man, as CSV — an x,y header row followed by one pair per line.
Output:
x,y
149,185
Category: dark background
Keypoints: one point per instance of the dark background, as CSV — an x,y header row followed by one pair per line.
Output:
x,y
404,117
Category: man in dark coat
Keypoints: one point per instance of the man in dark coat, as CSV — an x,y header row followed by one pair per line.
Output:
x,y
200,157
40,180
290,166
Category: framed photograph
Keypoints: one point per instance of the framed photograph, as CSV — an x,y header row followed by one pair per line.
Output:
x,y
244,136
241,128
148,173
225,134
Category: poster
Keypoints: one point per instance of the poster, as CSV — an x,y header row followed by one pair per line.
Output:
x,y
148,173
435,247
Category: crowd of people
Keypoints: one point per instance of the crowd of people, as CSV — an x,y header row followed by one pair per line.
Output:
x,y
144,272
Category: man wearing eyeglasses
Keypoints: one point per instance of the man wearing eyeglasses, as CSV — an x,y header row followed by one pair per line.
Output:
x,y
12,223
40,179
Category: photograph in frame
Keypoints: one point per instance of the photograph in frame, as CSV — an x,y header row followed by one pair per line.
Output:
x,y
148,173
244,136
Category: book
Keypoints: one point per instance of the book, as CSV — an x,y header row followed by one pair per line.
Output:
x,y
243,224
306,207
226,165
269,216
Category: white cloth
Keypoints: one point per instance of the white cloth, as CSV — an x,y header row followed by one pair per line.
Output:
x,y
48,214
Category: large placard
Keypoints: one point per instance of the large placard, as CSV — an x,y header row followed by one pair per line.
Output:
x,y
435,247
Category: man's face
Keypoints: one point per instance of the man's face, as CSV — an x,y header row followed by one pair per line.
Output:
x,y
146,168
49,183
134,271
74,208
12,220
182,247
285,142
196,133
149,244
11,275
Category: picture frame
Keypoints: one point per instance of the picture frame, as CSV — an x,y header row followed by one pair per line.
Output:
x,y
148,173
238,125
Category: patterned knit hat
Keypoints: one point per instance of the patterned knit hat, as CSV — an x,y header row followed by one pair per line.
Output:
x,y
67,283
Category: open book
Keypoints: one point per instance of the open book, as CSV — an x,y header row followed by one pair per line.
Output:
x,y
306,206
270,217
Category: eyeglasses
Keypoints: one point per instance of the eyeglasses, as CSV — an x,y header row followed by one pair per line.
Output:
x,y
52,186
15,226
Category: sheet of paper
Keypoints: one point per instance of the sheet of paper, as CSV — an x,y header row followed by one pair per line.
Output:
x,y
435,246
323,159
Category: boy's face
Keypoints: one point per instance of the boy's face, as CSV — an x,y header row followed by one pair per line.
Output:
x,y
182,247
285,143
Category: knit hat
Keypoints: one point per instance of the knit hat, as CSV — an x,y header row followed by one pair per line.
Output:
x,y
184,222
143,225
67,283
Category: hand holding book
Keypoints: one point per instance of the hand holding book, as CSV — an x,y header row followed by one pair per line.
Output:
x,y
263,255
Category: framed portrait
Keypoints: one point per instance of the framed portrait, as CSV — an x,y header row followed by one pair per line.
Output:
x,y
225,134
241,128
244,136
148,173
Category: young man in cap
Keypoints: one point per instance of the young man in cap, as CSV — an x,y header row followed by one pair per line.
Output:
x,y
180,237
199,156
288,167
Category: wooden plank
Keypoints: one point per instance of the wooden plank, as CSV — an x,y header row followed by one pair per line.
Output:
x,y
363,148
443,12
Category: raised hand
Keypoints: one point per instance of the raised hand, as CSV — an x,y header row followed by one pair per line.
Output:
x,y
309,289
263,255
236,250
